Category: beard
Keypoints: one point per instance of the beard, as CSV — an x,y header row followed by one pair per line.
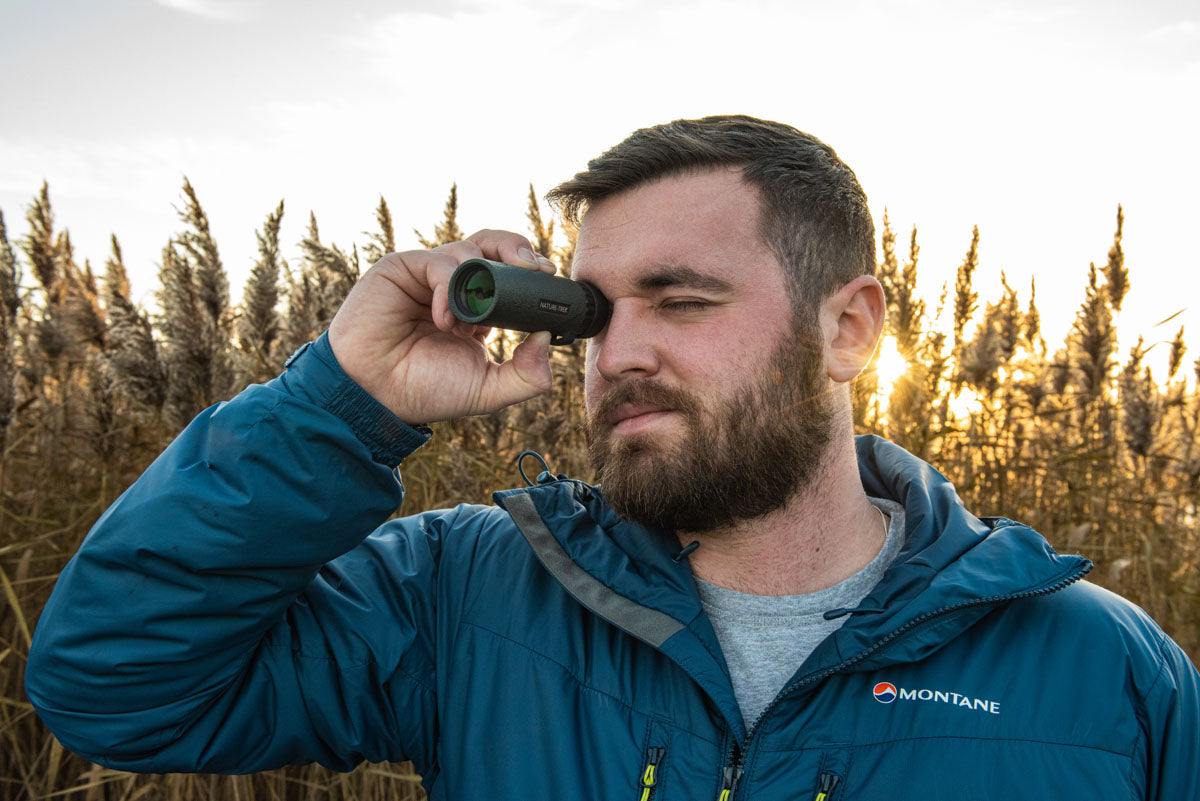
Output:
x,y
744,457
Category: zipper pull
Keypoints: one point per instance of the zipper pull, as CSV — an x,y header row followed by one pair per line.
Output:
x,y
730,776
825,786
654,756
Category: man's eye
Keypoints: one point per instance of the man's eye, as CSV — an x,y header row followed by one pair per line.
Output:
x,y
683,305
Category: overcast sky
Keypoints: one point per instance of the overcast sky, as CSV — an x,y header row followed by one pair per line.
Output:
x,y
1031,119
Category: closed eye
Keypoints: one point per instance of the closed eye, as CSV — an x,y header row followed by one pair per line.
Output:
x,y
684,306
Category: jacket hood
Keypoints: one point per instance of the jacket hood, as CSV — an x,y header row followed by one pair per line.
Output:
x,y
951,562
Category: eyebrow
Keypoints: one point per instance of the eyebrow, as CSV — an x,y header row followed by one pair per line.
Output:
x,y
678,275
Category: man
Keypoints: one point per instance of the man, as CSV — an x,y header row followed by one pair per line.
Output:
x,y
752,604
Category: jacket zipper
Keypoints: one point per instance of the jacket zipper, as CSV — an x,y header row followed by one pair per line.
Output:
x,y
730,776
733,770
654,757
825,786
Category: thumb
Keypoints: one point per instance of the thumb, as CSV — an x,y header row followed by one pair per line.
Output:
x,y
526,373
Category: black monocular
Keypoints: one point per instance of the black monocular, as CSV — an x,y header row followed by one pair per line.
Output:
x,y
499,295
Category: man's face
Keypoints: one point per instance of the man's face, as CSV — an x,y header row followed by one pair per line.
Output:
x,y
706,405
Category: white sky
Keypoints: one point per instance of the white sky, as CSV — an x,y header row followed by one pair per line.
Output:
x,y
1031,119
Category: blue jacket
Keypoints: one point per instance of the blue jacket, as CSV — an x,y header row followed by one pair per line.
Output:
x,y
245,605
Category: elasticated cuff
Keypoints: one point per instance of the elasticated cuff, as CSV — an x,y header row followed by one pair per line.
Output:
x,y
313,373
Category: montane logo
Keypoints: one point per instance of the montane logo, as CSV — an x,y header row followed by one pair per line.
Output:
x,y
885,693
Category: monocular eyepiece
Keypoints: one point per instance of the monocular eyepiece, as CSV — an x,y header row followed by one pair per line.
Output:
x,y
499,295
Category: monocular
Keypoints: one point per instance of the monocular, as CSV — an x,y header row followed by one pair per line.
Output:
x,y
499,295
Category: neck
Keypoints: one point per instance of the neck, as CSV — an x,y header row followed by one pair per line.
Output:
x,y
823,535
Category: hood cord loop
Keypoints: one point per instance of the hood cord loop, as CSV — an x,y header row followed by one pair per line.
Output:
x,y
543,477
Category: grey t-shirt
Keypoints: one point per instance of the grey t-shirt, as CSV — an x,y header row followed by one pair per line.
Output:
x,y
765,638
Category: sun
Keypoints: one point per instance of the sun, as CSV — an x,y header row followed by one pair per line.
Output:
x,y
889,366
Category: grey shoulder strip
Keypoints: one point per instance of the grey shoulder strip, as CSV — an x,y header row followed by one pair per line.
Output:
x,y
649,625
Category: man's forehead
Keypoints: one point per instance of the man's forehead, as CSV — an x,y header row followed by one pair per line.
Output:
x,y
694,192
681,229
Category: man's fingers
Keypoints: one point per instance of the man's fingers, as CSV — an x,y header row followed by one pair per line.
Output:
x,y
445,258
511,248
439,308
504,246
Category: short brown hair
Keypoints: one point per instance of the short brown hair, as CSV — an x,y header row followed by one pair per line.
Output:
x,y
814,214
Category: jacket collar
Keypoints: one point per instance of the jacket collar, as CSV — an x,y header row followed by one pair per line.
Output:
x,y
628,575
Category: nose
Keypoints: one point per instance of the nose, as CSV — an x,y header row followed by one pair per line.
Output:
x,y
627,347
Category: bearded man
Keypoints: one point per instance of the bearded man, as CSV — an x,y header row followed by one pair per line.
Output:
x,y
751,604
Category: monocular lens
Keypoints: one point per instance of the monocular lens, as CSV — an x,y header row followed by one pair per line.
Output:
x,y
480,291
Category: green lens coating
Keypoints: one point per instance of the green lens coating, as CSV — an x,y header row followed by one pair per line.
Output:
x,y
480,290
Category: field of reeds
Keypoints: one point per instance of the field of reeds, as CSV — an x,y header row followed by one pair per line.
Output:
x,y
1078,440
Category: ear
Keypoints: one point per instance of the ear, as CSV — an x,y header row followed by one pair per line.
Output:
x,y
852,319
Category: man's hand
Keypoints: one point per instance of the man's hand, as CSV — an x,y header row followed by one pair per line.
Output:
x,y
397,338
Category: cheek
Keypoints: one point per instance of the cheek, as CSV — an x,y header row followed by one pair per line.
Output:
x,y
593,383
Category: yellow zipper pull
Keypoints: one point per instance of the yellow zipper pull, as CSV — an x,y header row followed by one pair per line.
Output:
x,y
729,781
654,756
825,786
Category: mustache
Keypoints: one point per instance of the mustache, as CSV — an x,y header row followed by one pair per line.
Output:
x,y
646,392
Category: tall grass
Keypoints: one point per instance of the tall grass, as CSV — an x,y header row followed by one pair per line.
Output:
x,y
1082,443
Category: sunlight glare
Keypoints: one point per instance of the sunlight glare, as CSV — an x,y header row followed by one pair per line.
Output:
x,y
889,366
963,403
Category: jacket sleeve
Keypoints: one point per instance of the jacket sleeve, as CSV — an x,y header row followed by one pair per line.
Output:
x,y
1171,710
207,622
